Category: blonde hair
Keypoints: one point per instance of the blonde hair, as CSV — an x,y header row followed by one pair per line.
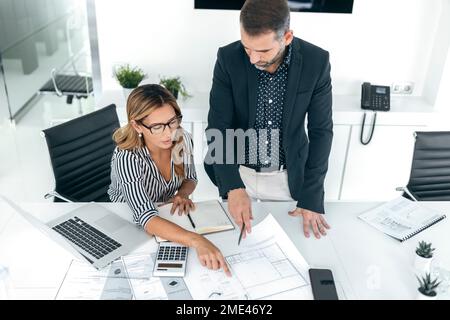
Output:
x,y
141,102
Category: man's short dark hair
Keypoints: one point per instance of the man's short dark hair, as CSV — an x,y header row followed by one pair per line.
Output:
x,y
263,16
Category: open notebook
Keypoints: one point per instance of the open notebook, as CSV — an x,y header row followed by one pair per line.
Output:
x,y
208,217
402,218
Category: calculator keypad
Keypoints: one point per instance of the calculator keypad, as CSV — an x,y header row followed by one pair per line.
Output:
x,y
172,253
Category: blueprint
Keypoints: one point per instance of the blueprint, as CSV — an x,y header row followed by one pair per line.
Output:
x,y
267,265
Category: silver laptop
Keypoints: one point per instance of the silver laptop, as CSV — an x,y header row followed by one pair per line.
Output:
x,y
97,234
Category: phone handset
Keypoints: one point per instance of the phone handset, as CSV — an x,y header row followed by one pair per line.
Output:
x,y
365,95
375,98
366,103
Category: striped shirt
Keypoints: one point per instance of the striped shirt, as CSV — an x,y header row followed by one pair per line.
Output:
x,y
136,180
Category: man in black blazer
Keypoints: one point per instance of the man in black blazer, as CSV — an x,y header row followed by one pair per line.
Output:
x,y
270,80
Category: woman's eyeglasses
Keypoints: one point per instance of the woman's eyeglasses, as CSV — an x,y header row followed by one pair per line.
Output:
x,y
159,128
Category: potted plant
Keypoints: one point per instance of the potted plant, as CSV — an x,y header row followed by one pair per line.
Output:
x,y
128,77
427,288
424,256
175,86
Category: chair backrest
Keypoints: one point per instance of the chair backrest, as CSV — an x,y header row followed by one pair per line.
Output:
x,y
430,171
80,153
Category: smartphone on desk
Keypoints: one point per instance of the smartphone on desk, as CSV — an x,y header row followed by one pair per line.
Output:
x,y
322,283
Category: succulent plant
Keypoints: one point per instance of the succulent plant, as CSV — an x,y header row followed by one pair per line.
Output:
x,y
425,250
428,286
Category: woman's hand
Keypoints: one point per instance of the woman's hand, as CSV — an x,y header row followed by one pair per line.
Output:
x,y
183,204
209,255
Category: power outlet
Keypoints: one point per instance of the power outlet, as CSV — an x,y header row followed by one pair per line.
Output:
x,y
405,87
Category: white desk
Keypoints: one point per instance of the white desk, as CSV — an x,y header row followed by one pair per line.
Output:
x,y
369,264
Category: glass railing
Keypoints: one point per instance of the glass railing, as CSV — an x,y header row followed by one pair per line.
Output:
x,y
36,37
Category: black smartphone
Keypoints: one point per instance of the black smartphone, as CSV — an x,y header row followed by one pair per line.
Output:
x,y
322,284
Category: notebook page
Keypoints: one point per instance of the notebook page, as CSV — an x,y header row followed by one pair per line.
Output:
x,y
209,216
400,217
182,221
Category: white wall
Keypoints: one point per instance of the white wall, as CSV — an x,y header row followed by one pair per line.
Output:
x,y
436,71
443,97
442,102
382,41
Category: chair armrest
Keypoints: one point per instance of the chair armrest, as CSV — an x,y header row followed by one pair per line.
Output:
x,y
58,92
57,195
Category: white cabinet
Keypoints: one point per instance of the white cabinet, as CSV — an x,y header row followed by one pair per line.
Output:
x,y
355,171
205,189
373,171
336,162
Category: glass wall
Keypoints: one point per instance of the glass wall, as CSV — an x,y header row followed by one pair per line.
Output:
x,y
37,36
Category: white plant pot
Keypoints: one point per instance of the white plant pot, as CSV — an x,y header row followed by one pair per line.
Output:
x,y
126,93
422,265
421,296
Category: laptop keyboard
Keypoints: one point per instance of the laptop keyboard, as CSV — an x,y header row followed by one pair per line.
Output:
x,y
87,237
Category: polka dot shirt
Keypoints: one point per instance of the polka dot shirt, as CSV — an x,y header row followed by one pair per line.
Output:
x,y
271,93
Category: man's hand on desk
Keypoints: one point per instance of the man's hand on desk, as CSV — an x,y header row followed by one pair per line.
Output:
x,y
182,203
240,208
313,220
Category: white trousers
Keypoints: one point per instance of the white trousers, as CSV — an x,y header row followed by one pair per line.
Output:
x,y
266,186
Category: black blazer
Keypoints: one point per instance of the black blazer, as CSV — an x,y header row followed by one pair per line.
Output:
x,y
233,106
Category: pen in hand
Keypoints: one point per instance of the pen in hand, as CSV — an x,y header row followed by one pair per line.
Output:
x,y
242,232
190,219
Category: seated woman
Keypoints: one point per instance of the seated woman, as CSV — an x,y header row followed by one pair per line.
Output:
x,y
153,163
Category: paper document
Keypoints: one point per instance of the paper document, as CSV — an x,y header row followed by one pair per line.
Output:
x,y
208,217
127,278
267,265
402,218
82,282
139,270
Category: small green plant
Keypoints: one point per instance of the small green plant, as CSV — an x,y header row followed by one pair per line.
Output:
x,y
175,86
425,250
129,77
428,286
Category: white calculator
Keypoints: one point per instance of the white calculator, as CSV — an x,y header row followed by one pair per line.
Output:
x,y
171,260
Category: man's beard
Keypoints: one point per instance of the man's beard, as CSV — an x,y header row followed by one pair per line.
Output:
x,y
278,57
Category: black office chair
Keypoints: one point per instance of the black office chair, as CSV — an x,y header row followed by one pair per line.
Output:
x,y
430,171
68,81
80,153
68,85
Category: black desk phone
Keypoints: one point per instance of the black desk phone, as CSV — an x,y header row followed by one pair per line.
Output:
x,y
375,97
